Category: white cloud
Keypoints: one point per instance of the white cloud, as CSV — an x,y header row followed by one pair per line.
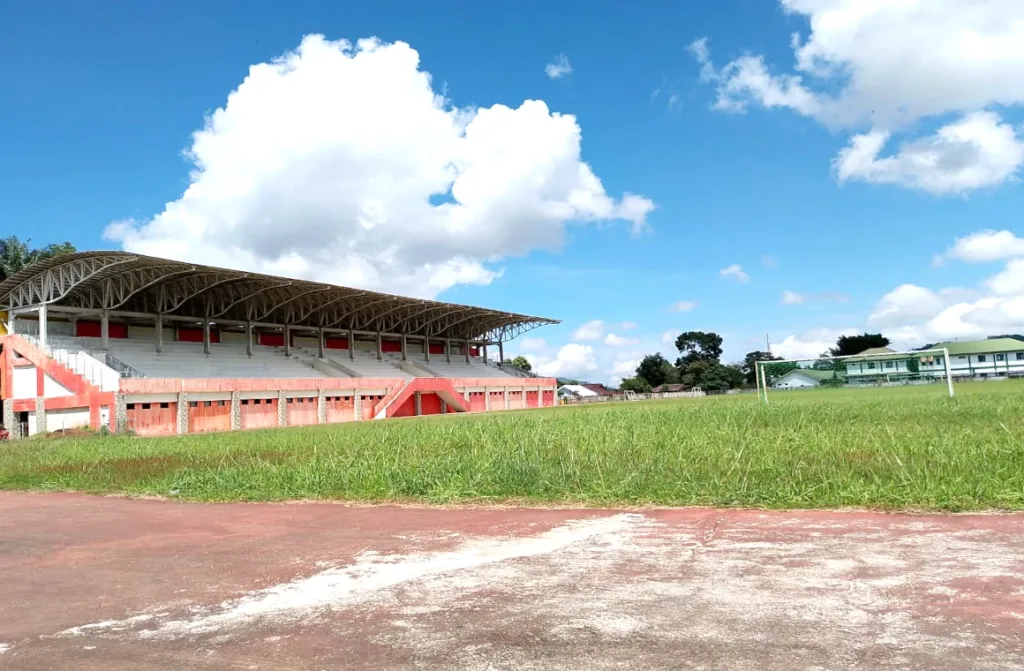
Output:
x,y
888,65
736,272
528,344
975,152
613,340
982,246
1009,281
628,326
621,369
669,337
592,330
341,163
559,68
573,360
683,306
810,344
792,298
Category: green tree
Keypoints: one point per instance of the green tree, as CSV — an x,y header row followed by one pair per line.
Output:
x,y
637,384
16,254
656,370
698,346
850,345
708,375
914,365
750,361
521,363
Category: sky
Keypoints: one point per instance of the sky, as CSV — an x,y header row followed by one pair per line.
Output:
x,y
776,171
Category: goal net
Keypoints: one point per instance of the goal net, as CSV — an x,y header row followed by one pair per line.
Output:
x,y
860,371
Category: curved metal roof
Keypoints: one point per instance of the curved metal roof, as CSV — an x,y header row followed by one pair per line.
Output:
x,y
126,282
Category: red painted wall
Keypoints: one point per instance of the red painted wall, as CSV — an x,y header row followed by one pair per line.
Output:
x,y
258,413
367,403
390,346
153,419
89,329
497,400
340,409
430,404
515,400
531,399
549,398
204,416
436,348
477,401
335,343
406,409
270,339
192,334
302,411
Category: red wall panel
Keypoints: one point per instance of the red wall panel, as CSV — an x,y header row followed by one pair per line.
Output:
x,y
259,413
335,343
430,404
531,399
477,401
549,398
271,339
302,411
367,403
390,346
152,419
204,416
406,409
91,329
340,409
436,348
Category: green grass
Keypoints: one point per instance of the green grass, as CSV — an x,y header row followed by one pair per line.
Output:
x,y
901,448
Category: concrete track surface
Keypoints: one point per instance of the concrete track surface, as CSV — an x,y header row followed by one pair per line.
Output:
x,y
110,583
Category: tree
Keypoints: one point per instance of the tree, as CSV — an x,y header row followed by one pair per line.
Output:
x,y
850,345
521,363
734,375
637,384
656,370
708,375
15,254
750,361
698,346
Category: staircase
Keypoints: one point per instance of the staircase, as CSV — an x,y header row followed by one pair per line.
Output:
x,y
96,373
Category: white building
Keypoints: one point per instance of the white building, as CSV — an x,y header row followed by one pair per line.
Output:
x,y
988,358
576,390
802,378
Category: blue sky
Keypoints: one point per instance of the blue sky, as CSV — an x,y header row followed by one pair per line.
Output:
x,y
748,149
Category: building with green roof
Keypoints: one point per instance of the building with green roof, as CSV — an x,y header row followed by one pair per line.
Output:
x,y
987,358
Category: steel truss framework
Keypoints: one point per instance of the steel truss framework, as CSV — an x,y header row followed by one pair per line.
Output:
x,y
126,282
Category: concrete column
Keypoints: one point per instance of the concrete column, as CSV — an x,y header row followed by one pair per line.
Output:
x,y
40,415
501,352
426,348
404,348
448,350
182,414
506,399
206,336
104,330
357,403
487,398
248,338
418,402
287,340
444,407
465,349
120,413
351,345
282,409
236,411
320,343
484,347
321,407
159,332
380,347
522,398
42,325
10,419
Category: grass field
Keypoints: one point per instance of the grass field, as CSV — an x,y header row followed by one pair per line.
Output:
x,y
899,448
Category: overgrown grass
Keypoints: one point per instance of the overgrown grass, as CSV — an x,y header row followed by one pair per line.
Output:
x,y
890,448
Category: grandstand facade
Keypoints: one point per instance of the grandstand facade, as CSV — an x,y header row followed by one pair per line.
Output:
x,y
158,347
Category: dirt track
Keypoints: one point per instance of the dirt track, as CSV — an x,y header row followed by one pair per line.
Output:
x,y
107,583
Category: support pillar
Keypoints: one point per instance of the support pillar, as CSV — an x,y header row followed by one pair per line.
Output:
x,y
444,407
287,340
404,348
448,350
321,407
351,346
282,409
40,415
484,347
42,326
320,343
248,338
236,411
357,403
380,347
501,353
182,415
426,348
159,332
206,336
120,413
487,399
9,419
508,403
104,330
418,402
465,349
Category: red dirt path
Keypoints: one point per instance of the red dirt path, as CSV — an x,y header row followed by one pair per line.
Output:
x,y
109,583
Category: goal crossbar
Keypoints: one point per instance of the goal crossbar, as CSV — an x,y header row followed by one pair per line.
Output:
x,y
762,381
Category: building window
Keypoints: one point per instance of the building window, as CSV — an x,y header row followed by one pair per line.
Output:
x,y
1020,356
871,365
888,364
981,358
1000,357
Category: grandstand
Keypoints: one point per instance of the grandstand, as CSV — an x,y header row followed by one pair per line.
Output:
x,y
153,346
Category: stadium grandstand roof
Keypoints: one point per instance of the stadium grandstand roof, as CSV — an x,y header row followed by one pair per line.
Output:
x,y
127,283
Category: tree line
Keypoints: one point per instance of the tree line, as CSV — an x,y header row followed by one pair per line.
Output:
x,y
700,363
16,254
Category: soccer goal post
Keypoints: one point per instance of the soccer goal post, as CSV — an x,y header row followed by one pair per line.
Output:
x,y
871,369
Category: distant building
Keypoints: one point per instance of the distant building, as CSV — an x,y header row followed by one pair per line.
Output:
x,y
802,378
599,389
576,391
669,388
991,357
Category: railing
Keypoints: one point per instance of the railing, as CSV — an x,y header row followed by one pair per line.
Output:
x,y
106,377
123,369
